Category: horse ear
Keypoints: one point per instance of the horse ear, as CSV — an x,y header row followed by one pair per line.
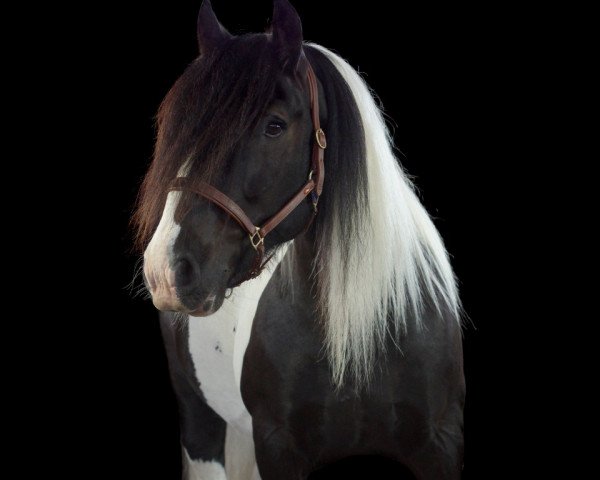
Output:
x,y
211,34
287,33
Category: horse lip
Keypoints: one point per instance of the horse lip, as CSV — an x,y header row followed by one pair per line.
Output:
x,y
211,304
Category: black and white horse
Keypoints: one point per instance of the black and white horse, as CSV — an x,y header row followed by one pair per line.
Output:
x,y
348,343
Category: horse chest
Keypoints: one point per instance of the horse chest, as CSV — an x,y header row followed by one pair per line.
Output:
x,y
217,344
212,344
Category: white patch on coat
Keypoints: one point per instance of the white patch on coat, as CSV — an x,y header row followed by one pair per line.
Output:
x,y
202,470
240,462
217,345
156,257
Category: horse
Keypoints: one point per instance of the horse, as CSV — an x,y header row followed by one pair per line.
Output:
x,y
307,303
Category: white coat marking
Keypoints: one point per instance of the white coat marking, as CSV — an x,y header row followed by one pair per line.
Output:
x,y
217,344
240,462
201,470
157,254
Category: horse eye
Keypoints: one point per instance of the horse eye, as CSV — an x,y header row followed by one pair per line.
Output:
x,y
274,129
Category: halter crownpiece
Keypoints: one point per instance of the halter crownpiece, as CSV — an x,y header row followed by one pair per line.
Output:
x,y
313,186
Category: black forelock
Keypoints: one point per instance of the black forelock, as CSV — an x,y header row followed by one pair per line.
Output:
x,y
202,119
216,101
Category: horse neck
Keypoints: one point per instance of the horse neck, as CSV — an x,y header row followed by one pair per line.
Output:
x,y
298,263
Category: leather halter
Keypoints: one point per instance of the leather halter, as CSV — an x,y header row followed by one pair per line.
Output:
x,y
313,186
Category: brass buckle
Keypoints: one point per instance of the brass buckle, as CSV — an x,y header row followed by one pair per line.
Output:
x,y
255,243
321,139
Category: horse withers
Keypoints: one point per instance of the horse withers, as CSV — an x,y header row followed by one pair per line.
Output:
x,y
308,307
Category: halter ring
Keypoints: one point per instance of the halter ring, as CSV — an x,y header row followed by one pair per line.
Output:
x,y
321,139
255,243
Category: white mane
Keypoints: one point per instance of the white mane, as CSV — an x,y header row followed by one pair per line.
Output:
x,y
398,262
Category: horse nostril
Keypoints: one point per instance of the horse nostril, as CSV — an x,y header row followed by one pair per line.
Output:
x,y
184,272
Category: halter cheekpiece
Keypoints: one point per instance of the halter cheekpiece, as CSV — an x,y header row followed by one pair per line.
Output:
x,y
313,186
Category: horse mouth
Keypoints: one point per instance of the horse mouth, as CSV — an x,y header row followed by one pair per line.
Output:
x,y
211,304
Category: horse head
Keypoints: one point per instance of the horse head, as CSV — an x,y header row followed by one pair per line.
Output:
x,y
239,120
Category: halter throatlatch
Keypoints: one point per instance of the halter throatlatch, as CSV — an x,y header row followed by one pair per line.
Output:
x,y
314,187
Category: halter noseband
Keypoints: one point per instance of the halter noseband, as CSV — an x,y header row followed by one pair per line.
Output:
x,y
314,186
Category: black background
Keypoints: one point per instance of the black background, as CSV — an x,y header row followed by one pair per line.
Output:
x,y
442,76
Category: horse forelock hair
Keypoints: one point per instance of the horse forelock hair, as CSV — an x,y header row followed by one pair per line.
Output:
x,y
203,118
380,259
